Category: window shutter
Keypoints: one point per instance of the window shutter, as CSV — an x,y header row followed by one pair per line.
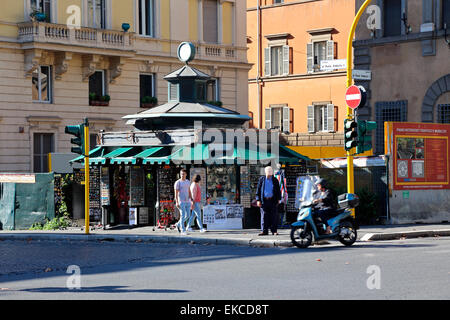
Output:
x,y
330,117
330,50
286,119
285,60
267,66
309,57
268,114
311,119
173,92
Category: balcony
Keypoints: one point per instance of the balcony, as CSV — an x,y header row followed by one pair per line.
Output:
x,y
50,33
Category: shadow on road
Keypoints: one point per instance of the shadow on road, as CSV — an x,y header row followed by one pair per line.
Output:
x,y
27,260
101,289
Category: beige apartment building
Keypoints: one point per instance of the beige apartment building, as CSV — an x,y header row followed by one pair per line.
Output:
x,y
101,59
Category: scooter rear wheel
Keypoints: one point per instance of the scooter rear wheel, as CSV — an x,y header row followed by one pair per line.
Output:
x,y
300,237
347,234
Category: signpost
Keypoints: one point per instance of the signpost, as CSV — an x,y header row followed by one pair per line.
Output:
x,y
350,176
365,75
353,97
329,65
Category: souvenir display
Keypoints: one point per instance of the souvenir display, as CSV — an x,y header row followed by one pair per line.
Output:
x,y
292,173
246,192
104,186
167,176
95,209
221,185
137,186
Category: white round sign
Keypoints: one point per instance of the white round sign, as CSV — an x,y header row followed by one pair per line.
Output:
x,y
186,51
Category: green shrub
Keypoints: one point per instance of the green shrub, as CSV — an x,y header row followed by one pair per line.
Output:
x,y
57,223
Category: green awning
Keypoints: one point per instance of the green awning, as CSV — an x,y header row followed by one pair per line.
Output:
x,y
92,153
197,152
133,155
187,153
285,155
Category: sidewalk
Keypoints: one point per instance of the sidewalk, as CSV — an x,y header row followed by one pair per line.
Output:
x,y
243,237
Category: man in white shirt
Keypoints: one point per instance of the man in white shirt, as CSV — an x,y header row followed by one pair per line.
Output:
x,y
183,200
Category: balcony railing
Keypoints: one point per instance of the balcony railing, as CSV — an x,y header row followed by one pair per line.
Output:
x,y
62,34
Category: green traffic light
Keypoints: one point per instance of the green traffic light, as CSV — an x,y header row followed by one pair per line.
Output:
x,y
78,132
364,135
350,135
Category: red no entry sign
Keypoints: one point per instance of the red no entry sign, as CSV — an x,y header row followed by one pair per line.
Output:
x,y
353,97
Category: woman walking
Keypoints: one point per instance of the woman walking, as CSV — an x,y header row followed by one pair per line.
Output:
x,y
196,192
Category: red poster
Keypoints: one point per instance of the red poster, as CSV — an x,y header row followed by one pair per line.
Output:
x,y
421,155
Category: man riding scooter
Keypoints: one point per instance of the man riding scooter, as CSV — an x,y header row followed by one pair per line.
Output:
x,y
325,203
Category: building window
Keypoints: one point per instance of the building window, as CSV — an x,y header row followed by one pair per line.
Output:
x,y
97,14
42,84
446,13
277,60
392,13
147,85
210,21
278,1
43,144
318,51
443,113
97,84
173,91
321,118
213,90
42,6
388,111
147,20
280,118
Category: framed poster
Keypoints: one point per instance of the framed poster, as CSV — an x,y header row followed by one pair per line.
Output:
x,y
132,219
104,186
223,217
420,153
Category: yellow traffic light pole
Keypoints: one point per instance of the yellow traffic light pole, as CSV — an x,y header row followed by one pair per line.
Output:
x,y
350,169
86,177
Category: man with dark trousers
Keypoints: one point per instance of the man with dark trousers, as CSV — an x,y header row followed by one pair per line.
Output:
x,y
268,195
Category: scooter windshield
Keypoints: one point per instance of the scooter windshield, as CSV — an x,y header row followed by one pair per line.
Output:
x,y
307,192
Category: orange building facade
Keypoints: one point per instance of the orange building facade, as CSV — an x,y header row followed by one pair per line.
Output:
x,y
288,40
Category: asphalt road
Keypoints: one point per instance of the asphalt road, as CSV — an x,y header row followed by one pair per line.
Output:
x,y
406,269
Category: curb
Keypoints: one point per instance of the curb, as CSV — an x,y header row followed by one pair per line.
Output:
x,y
405,235
172,239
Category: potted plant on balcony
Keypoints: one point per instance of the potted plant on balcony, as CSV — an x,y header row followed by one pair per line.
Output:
x,y
97,100
93,99
104,100
148,102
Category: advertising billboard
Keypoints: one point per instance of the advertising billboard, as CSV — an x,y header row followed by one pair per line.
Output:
x,y
420,154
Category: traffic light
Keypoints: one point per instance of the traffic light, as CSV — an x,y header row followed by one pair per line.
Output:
x,y
364,135
78,132
350,134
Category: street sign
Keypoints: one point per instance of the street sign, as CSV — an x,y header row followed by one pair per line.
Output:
x,y
362,74
353,97
329,65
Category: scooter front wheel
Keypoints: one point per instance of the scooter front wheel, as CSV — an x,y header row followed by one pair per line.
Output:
x,y
300,237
